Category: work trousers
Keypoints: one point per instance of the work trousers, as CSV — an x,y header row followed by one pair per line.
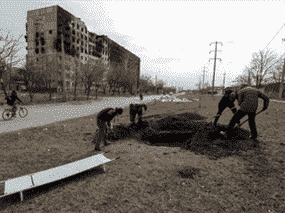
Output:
x,y
102,135
136,109
233,109
238,116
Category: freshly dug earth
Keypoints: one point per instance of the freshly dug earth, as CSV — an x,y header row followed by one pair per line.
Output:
x,y
152,177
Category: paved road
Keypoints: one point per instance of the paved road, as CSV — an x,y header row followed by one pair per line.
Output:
x,y
51,113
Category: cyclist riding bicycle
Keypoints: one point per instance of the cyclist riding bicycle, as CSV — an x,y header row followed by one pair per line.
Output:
x,y
11,101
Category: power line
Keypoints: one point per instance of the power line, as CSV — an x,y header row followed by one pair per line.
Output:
x,y
274,37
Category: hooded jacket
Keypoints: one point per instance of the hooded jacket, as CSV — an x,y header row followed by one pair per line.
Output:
x,y
106,114
248,99
227,101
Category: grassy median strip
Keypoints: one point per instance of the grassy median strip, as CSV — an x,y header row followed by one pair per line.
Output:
x,y
153,175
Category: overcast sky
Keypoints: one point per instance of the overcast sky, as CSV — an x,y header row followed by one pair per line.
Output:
x,y
173,38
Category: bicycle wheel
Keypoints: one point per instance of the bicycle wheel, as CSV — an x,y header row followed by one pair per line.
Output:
x,y
23,112
7,115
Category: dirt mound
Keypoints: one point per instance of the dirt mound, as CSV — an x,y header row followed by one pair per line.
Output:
x,y
190,116
208,135
176,130
180,122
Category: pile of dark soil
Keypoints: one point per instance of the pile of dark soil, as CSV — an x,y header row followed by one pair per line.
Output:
x,y
187,130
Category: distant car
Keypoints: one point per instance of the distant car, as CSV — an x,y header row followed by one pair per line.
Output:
x,y
171,93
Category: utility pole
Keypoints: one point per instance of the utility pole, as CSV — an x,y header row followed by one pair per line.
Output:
x,y
248,80
282,79
199,92
156,84
214,64
203,77
224,82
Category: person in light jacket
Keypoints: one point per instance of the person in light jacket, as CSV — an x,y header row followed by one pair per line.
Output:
x,y
248,102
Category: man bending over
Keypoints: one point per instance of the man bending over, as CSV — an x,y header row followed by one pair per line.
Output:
x,y
137,109
248,102
104,118
227,101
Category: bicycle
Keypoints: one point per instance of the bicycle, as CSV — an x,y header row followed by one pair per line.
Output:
x,y
8,111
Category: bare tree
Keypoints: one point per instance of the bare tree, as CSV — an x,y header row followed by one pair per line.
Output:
x,y
8,50
160,84
263,64
114,76
104,83
9,47
75,77
92,72
131,80
276,72
51,73
30,74
145,83
207,84
241,79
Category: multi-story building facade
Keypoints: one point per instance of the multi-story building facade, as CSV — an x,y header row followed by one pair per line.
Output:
x,y
52,28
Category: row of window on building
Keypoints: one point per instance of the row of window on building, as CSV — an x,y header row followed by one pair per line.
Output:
x,y
78,27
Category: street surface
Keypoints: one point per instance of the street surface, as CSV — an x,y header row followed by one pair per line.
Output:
x,y
51,113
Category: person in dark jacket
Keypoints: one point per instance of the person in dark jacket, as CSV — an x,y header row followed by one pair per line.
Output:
x,y
248,102
104,118
137,109
11,101
227,101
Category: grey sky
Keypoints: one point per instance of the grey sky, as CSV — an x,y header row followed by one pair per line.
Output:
x,y
172,37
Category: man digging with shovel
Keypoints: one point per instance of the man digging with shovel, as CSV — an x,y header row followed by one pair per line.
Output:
x,y
248,102
104,118
227,101
137,109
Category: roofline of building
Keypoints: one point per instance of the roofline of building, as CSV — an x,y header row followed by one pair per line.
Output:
x,y
89,30
45,7
122,47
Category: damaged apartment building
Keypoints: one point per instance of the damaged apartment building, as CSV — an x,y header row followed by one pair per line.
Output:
x,y
51,29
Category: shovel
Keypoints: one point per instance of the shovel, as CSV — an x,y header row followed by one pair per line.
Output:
x,y
239,125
